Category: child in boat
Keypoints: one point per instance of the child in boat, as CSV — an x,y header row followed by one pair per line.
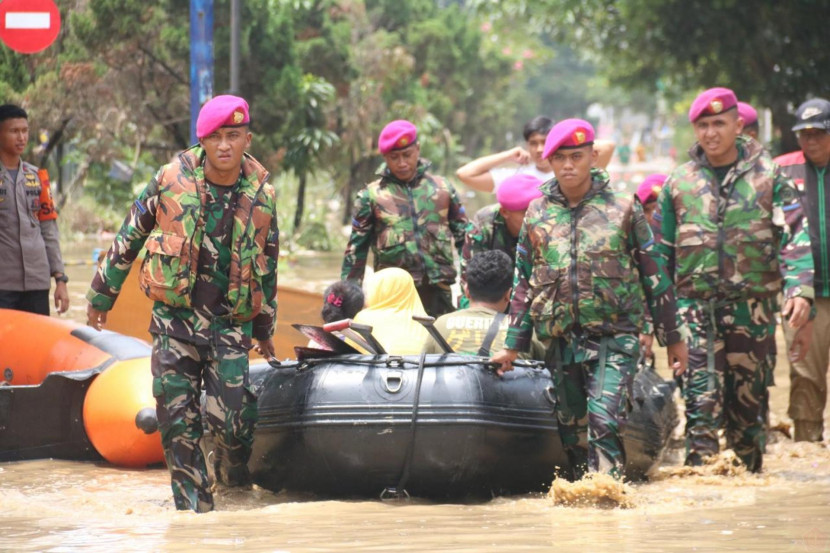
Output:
x,y
341,300
482,327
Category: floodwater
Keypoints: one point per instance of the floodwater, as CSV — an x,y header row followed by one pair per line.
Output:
x,y
61,506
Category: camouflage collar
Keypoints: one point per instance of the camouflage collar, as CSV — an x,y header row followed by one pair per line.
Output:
x,y
599,182
252,171
386,175
749,151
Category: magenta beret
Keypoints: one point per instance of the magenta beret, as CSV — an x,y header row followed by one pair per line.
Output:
x,y
570,133
517,191
221,111
747,113
649,189
397,135
712,102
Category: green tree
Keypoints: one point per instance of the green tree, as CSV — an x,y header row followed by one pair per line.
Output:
x,y
771,53
309,138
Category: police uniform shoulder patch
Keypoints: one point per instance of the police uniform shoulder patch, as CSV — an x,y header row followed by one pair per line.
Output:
x,y
31,180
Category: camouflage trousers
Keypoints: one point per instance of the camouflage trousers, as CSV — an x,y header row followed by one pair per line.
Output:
x,y
436,299
731,359
230,413
593,377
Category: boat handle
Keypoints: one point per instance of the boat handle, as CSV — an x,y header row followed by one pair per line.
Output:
x,y
393,381
551,397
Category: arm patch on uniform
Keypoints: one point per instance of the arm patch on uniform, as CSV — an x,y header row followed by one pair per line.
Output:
x,y
46,202
140,207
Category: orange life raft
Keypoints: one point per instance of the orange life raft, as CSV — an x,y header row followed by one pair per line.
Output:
x,y
71,392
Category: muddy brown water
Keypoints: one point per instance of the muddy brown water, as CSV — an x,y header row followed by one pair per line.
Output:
x,y
61,506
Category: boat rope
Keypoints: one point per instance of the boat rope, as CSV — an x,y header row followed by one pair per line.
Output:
x,y
397,361
399,491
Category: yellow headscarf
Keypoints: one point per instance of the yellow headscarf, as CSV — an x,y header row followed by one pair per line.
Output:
x,y
391,300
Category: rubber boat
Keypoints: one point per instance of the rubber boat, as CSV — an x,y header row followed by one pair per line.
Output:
x,y
442,426
70,392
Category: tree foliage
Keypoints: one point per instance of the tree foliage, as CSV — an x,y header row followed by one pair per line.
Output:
x,y
322,77
772,53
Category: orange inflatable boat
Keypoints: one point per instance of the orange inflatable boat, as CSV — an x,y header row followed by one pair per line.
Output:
x,y
70,392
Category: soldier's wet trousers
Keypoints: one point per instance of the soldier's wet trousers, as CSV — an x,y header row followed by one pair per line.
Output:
x,y
179,368
436,299
808,378
592,377
731,356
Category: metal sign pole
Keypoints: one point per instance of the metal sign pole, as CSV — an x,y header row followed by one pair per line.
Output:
x,y
201,59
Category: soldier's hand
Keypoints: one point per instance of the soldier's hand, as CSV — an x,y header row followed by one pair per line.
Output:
x,y
798,311
61,297
504,359
678,356
94,318
801,342
266,348
646,343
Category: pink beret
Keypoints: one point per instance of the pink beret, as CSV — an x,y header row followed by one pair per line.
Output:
x,y
747,113
570,133
221,111
712,102
649,189
397,135
516,192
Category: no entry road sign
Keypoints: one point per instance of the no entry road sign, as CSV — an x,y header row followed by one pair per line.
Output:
x,y
29,26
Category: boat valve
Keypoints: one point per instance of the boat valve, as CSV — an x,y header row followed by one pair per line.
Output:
x,y
147,421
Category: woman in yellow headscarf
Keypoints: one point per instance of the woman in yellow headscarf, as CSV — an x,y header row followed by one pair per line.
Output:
x,y
391,300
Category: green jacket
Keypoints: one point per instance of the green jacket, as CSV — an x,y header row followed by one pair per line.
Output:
x,y
586,270
414,226
736,240
167,219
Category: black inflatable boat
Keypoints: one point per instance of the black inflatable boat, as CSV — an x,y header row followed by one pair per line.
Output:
x,y
445,426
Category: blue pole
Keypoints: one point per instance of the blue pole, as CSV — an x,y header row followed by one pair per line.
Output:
x,y
201,59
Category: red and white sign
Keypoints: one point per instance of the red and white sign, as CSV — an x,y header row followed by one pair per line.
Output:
x,y
29,26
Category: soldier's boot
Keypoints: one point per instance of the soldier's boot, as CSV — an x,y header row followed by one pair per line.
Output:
x,y
754,460
578,458
229,472
807,431
694,459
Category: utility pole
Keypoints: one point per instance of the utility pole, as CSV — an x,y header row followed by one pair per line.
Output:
x,y
201,59
234,46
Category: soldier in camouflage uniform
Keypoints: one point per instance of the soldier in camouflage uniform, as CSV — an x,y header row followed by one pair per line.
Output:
x,y
410,218
497,226
208,219
584,259
732,225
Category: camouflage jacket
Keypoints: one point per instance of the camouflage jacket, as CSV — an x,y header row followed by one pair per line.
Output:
x,y
408,225
813,185
735,240
584,270
486,231
171,216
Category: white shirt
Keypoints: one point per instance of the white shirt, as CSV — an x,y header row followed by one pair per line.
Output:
x,y
500,174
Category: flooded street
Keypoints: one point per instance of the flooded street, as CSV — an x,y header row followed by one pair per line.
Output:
x,y
61,506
